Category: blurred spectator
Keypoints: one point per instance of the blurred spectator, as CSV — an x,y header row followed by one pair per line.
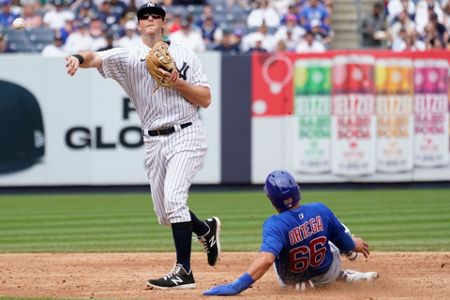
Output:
x,y
413,43
258,39
309,44
430,37
281,6
80,40
110,40
107,15
424,9
407,42
448,44
84,9
314,10
329,7
207,12
184,2
373,27
56,49
263,13
188,37
32,19
441,31
130,38
3,44
399,40
318,26
57,15
6,15
96,27
281,46
241,4
290,41
403,23
67,29
293,10
320,32
97,32
118,7
210,31
446,11
228,43
257,46
395,7
291,32
174,23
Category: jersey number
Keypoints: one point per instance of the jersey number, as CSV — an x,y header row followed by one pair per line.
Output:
x,y
300,258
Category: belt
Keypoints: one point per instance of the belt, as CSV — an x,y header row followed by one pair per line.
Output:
x,y
166,130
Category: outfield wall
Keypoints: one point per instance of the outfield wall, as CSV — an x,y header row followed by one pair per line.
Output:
x,y
334,117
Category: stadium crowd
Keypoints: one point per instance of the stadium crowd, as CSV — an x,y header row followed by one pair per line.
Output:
x,y
413,25
58,27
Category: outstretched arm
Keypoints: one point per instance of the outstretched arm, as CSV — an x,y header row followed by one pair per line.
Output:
x,y
257,269
87,59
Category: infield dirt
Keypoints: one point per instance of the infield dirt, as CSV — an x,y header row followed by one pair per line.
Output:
x,y
424,275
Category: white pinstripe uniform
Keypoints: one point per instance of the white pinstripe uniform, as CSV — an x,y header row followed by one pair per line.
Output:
x,y
171,160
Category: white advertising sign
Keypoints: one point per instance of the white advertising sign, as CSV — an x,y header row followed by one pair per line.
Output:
x,y
91,132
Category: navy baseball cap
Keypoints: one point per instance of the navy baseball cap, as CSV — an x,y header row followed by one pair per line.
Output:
x,y
151,7
21,128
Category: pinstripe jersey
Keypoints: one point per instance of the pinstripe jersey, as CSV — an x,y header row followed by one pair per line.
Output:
x,y
172,160
166,107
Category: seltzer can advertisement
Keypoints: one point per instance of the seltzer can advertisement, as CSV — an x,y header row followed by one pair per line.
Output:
x,y
312,144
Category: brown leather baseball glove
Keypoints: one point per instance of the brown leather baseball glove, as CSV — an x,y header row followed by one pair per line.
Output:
x,y
159,57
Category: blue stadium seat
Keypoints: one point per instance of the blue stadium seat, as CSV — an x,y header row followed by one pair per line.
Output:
x,y
22,46
13,35
41,35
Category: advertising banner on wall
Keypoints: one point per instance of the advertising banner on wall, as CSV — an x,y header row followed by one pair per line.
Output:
x,y
353,115
389,117
394,113
81,130
431,112
312,144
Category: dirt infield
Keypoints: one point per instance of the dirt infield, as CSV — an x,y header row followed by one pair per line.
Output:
x,y
123,276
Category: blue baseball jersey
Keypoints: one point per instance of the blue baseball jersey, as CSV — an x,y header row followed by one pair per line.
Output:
x,y
299,240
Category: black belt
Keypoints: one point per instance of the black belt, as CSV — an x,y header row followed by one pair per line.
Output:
x,y
166,130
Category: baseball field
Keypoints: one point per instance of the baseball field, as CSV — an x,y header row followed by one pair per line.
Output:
x,y
105,246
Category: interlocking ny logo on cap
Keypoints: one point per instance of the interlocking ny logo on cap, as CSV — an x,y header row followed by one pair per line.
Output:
x,y
151,4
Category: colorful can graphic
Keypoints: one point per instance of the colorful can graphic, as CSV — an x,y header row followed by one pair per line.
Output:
x,y
312,77
394,76
431,116
353,74
394,110
313,116
353,115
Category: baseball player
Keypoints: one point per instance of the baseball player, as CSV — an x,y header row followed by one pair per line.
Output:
x,y
175,142
304,241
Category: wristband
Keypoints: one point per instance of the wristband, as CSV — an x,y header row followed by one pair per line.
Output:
x,y
243,282
79,57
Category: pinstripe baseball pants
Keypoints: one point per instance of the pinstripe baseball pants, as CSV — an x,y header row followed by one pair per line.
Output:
x,y
172,161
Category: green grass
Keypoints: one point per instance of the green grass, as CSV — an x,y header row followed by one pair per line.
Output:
x,y
390,220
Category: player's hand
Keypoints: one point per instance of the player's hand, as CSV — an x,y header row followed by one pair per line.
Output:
x,y
222,290
170,77
361,246
72,64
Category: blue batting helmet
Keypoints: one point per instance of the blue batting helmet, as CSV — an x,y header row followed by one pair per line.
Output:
x,y
282,190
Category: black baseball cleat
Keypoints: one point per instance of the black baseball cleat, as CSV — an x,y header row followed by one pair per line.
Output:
x,y
178,278
211,240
